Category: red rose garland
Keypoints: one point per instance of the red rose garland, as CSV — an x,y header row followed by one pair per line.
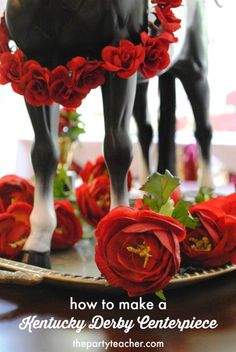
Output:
x,y
68,85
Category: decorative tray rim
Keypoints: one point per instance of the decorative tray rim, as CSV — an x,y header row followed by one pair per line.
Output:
x,y
40,275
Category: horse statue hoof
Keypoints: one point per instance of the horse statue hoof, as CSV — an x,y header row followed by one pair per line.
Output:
x,y
36,258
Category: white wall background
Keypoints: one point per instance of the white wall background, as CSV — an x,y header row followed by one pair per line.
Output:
x,y
16,133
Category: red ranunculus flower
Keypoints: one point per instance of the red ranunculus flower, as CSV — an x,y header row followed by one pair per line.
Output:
x,y
169,21
124,60
156,53
139,205
36,84
4,36
93,199
138,250
4,40
14,229
88,74
172,3
93,170
213,243
11,68
1,206
62,88
226,203
14,188
68,230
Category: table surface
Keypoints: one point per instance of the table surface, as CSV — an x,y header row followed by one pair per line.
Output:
x,y
213,299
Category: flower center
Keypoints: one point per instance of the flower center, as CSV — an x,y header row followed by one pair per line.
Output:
x,y
143,250
104,200
200,243
18,243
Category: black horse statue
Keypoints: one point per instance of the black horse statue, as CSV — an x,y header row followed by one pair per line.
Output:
x,y
190,67
52,32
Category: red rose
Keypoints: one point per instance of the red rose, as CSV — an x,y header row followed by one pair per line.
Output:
x,y
87,74
14,229
2,209
124,60
62,88
156,53
4,40
68,230
3,26
93,199
227,204
11,68
172,3
4,36
13,189
213,243
35,81
138,250
139,204
169,21
93,170
21,212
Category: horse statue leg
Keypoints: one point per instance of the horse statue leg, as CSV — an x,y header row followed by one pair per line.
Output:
x,y
192,71
145,131
45,156
118,99
197,89
166,124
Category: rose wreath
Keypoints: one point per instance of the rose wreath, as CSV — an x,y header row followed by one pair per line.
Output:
x,y
69,85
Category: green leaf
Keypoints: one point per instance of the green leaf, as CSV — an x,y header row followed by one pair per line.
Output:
x,y
167,208
181,213
160,187
61,186
74,132
160,294
204,193
76,127
151,203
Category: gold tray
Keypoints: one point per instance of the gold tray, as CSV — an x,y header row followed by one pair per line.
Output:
x,y
76,268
